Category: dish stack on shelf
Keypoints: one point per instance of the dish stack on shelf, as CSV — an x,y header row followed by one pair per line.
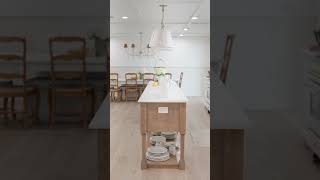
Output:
x,y
170,136
157,140
163,144
157,153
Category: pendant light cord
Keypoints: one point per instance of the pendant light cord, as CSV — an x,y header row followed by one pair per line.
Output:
x,y
162,20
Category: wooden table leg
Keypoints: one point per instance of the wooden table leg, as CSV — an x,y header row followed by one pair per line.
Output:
x,y
143,160
182,162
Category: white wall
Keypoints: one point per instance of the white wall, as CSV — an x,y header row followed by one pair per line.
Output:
x,y
191,56
266,70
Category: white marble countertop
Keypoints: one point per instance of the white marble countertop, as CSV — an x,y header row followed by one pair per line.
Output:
x,y
158,95
226,113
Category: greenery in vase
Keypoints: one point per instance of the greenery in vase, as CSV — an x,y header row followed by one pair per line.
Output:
x,y
140,75
160,71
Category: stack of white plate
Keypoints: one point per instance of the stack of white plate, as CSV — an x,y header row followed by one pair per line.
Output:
x,y
157,153
155,133
169,143
169,135
160,140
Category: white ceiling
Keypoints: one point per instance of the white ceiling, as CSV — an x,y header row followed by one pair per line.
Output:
x,y
145,15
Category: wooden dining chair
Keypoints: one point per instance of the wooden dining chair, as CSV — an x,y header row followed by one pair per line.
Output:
x,y
5,100
147,77
226,57
168,75
70,83
180,79
131,85
23,90
115,90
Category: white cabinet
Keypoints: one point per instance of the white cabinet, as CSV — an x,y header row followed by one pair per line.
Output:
x,y
206,92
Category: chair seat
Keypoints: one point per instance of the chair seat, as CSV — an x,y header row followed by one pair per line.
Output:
x,y
115,89
17,91
132,89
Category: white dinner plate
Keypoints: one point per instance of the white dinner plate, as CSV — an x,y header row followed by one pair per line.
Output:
x,y
157,150
164,157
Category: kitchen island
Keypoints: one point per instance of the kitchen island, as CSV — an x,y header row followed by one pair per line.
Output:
x,y
163,108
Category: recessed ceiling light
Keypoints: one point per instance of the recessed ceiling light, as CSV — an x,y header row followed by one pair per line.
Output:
x,y
181,35
185,29
194,18
125,17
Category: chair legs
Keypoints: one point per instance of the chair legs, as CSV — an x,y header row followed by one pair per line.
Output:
x,y
11,112
35,109
116,96
85,114
12,109
111,95
93,103
136,92
37,106
5,108
25,111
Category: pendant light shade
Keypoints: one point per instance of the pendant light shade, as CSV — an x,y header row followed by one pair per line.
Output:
x,y
162,38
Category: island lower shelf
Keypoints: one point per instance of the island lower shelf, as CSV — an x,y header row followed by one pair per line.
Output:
x,y
160,117
171,163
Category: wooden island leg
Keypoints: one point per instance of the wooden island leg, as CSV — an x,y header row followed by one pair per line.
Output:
x,y
143,160
181,162
182,134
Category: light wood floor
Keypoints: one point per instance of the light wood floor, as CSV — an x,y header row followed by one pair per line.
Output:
x,y
125,145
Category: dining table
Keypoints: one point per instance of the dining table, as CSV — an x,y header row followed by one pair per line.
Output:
x,y
123,81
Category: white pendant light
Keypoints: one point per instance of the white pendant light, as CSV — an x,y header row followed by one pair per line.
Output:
x,y
161,38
